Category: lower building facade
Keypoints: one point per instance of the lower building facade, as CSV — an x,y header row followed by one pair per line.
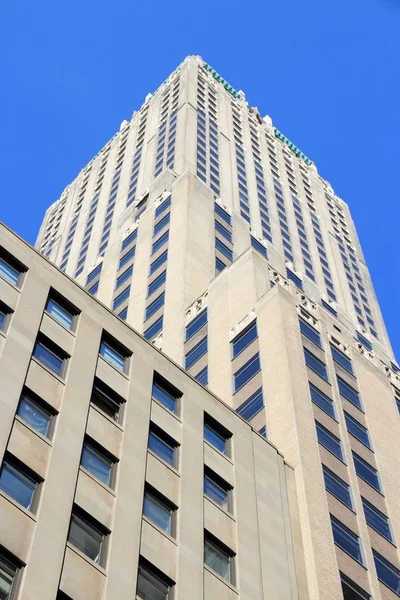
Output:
x,y
121,476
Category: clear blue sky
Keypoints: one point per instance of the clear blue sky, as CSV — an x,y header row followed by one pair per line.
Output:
x,y
327,72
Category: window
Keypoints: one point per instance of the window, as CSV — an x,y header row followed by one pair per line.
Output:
x,y
97,461
129,240
329,441
10,268
359,431
96,271
245,373
337,487
387,573
154,306
157,510
162,445
32,411
5,314
223,249
50,355
293,277
154,329
202,376
343,360
114,354
163,239
18,482
258,246
87,536
163,206
151,584
219,265
161,224
107,400
217,489
218,558
196,324
310,332
366,472
166,394
316,364
158,262
156,283
250,407
244,339
8,573
61,312
363,340
322,400
222,213
216,435
126,257
352,591
349,393
346,539
377,520
124,277
118,300
223,231
196,353
328,307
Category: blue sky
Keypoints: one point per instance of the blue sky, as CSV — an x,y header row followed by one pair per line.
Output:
x,y
327,73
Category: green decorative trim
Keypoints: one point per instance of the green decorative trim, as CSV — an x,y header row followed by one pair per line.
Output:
x,y
292,147
220,79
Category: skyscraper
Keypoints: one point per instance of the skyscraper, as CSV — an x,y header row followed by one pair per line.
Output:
x,y
214,236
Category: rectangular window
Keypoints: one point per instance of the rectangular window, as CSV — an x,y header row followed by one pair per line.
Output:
x,y
61,312
154,306
328,307
352,591
115,355
343,360
162,207
166,394
96,271
293,277
377,520
346,539
35,414
223,231
161,224
94,289
244,339
158,511
258,246
359,431
322,400
17,481
387,573
8,573
88,537
124,295
5,314
349,393
250,407
196,324
160,242
124,277
337,487
216,435
154,285
223,249
10,268
162,445
158,262
50,355
217,489
97,461
329,441
107,400
202,376
247,372
196,353
218,558
315,364
219,265
309,331
154,329
363,340
129,240
151,585
126,257
367,472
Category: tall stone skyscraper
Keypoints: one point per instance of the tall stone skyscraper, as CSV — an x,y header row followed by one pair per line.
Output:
x,y
214,236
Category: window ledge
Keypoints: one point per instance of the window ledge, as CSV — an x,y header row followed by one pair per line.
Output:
x,y
26,512
103,414
223,510
227,458
72,332
125,375
222,580
103,485
164,533
86,558
60,379
163,462
39,435
167,410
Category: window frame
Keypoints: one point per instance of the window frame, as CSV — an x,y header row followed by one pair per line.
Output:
x,y
169,390
15,265
154,576
42,407
254,359
368,466
322,429
166,440
7,313
106,395
308,353
346,360
65,307
167,507
100,453
117,349
351,535
54,350
26,475
384,518
240,336
331,474
220,484
224,552
93,526
11,567
220,432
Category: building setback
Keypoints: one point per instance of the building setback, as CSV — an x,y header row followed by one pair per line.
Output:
x,y
214,236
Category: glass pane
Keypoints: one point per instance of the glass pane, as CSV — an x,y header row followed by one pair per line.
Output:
x,y
217,560
245,373
2,319
215,439
366,471
85,538
244,340
377,520
321,400
215,492
251,406
60,314
196,324
6,581
160,514
387,573
337,487
47,358
96,464
150,587
161,448
349,393
35,416
310,332
342,359
17,485
160,394
112,356
352,591
356,429
346,539
8,272
196,353
315,364
329,441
